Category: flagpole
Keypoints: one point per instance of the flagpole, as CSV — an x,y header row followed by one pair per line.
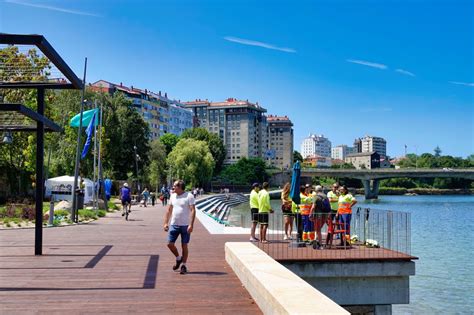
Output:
x,y
94,178
101,177
75,192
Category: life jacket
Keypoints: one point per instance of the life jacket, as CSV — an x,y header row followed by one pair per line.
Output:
x,y
306,202
345,202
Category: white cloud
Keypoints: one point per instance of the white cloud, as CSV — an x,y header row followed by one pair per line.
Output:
x,y
461,83
49,7
405,72
258,44
368,64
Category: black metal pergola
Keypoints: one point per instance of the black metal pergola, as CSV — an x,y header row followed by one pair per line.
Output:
x,y
17,117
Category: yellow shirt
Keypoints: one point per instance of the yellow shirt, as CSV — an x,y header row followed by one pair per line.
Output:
x,y
264,201
253,199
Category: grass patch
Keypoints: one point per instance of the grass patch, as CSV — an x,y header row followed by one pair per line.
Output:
x,y
88,214
101,213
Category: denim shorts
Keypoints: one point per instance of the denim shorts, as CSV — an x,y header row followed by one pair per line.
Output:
x,y
175,231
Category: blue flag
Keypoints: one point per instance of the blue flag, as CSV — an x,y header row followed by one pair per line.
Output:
x,y
89,131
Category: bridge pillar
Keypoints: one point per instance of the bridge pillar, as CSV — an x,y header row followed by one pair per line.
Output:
x,y
371,189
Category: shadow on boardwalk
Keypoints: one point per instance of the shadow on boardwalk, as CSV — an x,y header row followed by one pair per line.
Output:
x,y
116,266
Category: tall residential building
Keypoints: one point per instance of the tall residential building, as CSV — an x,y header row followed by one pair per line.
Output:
x,y
341,151
371,144
280,142
180,118
157,110
241,125
316,145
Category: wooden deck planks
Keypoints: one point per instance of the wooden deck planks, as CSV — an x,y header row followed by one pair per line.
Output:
x,y
114,266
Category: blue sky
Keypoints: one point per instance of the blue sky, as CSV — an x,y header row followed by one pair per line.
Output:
x,y
402,70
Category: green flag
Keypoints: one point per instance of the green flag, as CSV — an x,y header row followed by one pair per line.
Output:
x,y
86,118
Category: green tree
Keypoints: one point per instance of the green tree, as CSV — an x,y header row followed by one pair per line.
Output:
x,y
215,144
245,172
157,168
192,161
297,157
17,160
169,140
343,166
409,161
125,129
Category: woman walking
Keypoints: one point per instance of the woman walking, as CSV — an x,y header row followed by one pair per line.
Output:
x,y
286,209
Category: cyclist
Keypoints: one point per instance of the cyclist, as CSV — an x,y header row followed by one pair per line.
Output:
x,y
126,198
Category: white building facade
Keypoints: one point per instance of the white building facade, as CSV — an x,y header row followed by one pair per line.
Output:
x,y
316,145
180,118
371,144
341,151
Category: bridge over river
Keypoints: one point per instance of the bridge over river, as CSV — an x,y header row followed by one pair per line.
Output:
x,y
371,178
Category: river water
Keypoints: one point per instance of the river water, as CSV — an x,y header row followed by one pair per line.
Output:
x,y
442,238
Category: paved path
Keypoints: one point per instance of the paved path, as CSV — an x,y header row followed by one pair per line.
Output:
x,y
115,266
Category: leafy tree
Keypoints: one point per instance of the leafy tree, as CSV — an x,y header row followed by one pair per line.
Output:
x,y
18,160
409,161
157,168
297,157
169,140
437,151
130,131
343,166
215,144
398,182
192,161
245,172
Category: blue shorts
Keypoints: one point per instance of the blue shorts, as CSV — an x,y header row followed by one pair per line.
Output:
x,y
175,231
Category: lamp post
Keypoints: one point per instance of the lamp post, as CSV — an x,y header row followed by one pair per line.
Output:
x,y
137,157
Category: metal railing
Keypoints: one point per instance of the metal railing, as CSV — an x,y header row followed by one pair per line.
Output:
x,y
374,234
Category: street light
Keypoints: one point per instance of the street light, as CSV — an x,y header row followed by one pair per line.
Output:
x,y
137,158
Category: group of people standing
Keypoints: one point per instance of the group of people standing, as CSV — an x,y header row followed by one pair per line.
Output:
x,y
317,209
314,211
259,209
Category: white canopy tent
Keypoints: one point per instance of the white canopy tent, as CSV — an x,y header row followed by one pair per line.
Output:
x,y
64,185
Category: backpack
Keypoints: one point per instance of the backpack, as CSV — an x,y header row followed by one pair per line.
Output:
x,y
326,206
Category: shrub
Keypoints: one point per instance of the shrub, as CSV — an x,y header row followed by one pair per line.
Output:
x,y
62,212
28,212
101,213
88,214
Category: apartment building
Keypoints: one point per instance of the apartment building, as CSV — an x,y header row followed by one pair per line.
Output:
x,y
280,142
341,151
316,145
241,125
157,110
371,144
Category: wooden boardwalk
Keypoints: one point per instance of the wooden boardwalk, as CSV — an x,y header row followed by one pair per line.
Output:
x,y
114,266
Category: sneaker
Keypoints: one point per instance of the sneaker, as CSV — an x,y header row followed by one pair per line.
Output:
x,y
123,213
183,270
178,262
254,239
286,238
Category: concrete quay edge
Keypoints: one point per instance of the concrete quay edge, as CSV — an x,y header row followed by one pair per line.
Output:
x,y
275,289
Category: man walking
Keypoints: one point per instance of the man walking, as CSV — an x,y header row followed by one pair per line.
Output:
x,y
182,212
264,208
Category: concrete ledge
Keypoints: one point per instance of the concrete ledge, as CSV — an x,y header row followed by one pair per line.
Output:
x,y
275,289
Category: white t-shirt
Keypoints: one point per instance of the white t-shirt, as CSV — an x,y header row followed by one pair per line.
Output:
x,y
181,208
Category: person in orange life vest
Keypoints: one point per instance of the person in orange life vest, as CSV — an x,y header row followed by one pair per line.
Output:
x,y
305,209
344,212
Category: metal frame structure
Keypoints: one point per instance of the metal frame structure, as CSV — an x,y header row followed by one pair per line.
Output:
x,y
42,122
27,112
